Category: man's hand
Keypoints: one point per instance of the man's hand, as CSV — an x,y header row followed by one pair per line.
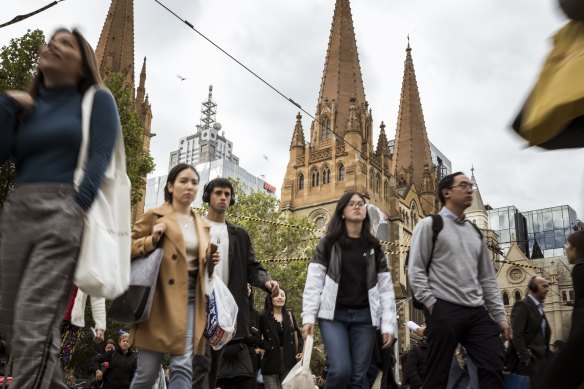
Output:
x,y
273,287
307,329
216,258
506,331
298,357
99,336
431,308
98,375
157,232
420,330
387,340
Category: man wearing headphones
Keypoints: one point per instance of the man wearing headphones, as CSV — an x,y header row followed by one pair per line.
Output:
x,y
529,348
237,267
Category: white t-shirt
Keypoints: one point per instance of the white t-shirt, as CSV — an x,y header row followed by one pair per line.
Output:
x,y
220,237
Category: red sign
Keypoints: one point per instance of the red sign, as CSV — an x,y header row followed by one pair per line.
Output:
x,y
269,188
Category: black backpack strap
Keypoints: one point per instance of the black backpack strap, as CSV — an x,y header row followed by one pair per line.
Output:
x,y
477,229
437,225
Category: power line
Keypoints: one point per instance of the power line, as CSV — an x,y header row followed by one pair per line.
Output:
x,y
19,18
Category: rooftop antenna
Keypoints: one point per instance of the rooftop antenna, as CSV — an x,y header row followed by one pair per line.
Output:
x,y
208,111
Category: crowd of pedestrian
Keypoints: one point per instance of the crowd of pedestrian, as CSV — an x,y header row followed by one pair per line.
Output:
x,y
465,342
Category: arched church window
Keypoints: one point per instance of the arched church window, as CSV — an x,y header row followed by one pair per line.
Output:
x,y
341,172
378,183
315,177
326,175
371,179
300,181
325,133
505,298
517,295
386,190
564,295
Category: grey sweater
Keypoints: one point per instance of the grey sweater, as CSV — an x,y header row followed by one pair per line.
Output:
x,y
461,271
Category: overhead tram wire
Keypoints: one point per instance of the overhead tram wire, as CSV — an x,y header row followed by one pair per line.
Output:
x,y
19,18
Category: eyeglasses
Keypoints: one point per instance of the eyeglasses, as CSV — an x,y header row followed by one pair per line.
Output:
x,y
462,185
358,204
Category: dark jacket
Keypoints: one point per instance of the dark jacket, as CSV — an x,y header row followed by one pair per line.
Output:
x,y
574,9
528,343
119,373
279,357
243,268
578,282
236,364
416,364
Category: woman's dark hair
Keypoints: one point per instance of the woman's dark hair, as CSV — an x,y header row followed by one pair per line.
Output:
x,y
576,239
89,67
336,229
172,175
446,183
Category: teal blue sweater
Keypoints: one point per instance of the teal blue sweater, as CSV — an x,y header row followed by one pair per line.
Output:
x,y
46,144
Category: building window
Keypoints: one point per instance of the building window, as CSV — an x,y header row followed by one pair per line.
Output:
x,y
378,183
564,296
505,298
371,179
341,172
571,295
386,190
300,181
325,133
326,175
315,177
517,295
320,222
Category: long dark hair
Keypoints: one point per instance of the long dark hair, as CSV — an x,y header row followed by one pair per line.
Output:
x,y
269,307
89,67
171,178
337,231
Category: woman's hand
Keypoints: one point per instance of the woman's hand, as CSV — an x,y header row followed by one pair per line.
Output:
x,y
98,375
24,99
298,357
99,336
307,329
387,340
216,258
157,231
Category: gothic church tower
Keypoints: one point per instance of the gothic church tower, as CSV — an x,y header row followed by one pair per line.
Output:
x,y
115,53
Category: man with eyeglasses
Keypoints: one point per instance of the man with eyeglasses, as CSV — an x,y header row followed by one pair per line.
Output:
x,y
455,280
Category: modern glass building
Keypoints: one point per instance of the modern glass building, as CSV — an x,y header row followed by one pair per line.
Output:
x,y
540,233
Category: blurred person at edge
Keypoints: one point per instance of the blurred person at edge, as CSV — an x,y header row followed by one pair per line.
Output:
x,y
282,340
349,289
43,217
566,371
177,318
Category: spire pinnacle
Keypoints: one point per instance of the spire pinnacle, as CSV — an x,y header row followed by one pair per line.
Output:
x,y
342,77
115,49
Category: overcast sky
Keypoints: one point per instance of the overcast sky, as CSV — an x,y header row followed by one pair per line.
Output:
x,y
475,62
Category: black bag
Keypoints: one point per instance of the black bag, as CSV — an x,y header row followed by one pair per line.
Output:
x,y
134,305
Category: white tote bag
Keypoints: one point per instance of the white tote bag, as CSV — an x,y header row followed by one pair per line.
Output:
x,y
300,377
103,266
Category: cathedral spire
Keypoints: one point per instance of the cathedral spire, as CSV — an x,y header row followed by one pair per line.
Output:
x,y
141,91
298,135
382,143
341,77
411,149
115,50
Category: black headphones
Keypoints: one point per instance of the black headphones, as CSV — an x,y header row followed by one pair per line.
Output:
x,y
207,192
532,285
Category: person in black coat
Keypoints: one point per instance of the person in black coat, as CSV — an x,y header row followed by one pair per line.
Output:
x,y
566,371
282,341
416,364
116,367
529,351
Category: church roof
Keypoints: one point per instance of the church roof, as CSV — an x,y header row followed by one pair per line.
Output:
x,y
477,201
341,77
411,148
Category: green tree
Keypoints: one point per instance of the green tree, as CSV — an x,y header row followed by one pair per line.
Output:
x,y
138,161
18,62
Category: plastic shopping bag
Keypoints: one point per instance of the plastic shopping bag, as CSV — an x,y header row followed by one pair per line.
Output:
x,y
221,311
300,377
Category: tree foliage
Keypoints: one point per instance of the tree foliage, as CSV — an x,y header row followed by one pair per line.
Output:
x,y
138,161
18,62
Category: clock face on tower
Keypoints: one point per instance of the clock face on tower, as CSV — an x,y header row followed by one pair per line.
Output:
x,y
516,275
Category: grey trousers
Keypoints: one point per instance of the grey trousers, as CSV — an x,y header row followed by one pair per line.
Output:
x,y
40,233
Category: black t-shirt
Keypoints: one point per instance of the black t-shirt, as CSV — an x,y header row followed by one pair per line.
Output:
x,y
353,285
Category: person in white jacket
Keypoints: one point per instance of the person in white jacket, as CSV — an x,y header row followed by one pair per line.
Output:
x,y
349,291
74,322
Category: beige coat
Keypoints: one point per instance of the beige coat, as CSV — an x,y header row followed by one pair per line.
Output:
x,y
165,331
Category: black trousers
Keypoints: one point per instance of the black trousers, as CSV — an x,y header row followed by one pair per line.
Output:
x,y
451,324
